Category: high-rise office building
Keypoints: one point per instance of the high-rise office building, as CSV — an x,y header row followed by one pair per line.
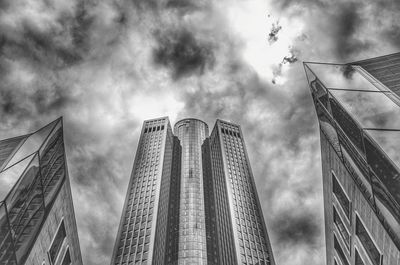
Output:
x,y
37,221
357,105
191,199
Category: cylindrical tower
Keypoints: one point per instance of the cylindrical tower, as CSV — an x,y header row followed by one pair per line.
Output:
x,y
192,229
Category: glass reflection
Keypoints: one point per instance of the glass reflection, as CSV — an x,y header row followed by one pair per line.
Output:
x,y
328,128
6,240
341,76
348,126
7,146
26,208
32,144
23,194
10,176
192,237
389,142
52,164
47,144
371,110
310,76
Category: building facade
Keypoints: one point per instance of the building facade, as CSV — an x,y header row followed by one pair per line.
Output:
x,y
37,220
358,109
191,199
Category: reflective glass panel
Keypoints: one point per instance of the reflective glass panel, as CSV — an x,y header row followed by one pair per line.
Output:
x,y
371,110
341,76
57,129
32,144
389,142
6,243
7,147
26,208
310,76
10,176
384,176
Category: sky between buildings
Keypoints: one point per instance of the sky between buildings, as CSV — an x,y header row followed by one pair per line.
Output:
x,y
106,66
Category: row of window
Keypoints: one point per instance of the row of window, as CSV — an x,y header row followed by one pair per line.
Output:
x,y
229,132
360,230
154,129
137,227
223,223
54,252
248,224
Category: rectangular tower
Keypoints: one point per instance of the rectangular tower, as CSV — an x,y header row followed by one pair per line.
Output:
x,y
142,232
37,221
191,199
235,211
359,118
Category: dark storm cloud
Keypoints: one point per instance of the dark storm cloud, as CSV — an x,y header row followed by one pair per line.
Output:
x,y
182,53
49,101
39,47
47,45
183,5
299,228
81,27
348,22
9,104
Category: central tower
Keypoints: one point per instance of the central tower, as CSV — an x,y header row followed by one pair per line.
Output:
x,y
192,230
191,199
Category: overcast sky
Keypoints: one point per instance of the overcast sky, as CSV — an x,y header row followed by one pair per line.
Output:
x,y
106,66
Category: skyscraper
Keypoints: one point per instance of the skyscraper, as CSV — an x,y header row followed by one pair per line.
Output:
x,y
191,199
37,221
357,105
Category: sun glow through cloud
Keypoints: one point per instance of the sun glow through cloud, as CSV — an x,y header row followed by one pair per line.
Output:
x,y
251,21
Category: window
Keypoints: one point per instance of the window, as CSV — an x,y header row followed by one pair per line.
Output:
x,y
339,251
367,242
358,261
57,243
342,229
341,196
67,258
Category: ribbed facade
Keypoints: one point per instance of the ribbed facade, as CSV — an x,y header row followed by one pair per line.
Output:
x,y
203,207
359,118
143,209
37,221
386,69
192,227
241,232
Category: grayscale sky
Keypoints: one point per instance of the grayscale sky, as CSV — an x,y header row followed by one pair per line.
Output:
x,y
106,66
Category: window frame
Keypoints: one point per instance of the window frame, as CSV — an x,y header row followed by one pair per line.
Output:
x,y
65,254
348,218
348,247
52,242
357,216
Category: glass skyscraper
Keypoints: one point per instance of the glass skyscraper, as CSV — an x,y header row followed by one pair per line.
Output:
x,y
358,108
37,221
191,199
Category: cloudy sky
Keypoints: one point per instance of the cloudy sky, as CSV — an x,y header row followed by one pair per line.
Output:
x,y
106,66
